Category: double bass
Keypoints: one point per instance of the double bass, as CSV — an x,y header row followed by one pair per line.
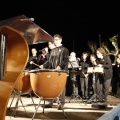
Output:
x,y
17,34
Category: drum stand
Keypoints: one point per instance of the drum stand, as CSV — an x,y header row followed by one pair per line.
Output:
x,y
44,99
74,96
18,94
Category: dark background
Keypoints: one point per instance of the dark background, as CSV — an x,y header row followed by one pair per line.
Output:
x,y
78,22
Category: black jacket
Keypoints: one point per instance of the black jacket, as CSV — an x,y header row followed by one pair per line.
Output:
x,y
59,56
84,65
107,65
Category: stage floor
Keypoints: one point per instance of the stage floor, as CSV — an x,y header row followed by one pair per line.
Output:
x,y
74,109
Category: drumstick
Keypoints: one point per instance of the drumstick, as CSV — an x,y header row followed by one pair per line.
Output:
x,y
35,64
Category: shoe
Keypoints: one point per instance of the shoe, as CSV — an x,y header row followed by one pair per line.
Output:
x,y
59,107
93,97
112,94
46,106
89,102
104,100
97,100
83,97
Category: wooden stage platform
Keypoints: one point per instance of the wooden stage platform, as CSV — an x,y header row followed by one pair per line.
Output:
x,y
74,109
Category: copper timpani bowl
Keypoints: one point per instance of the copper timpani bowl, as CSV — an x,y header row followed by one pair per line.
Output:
x,y
48,83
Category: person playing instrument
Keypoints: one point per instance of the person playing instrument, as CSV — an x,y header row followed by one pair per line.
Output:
x,y
51,45
103,79
58,60
32,64
33,60
44,56
84,63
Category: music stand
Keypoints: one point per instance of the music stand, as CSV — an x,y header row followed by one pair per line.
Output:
x,y
73,96
92,70
74,72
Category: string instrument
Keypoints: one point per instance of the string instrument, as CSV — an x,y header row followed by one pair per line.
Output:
x,y
17,34
15,60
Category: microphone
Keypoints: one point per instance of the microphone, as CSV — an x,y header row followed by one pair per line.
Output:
x,y
30,19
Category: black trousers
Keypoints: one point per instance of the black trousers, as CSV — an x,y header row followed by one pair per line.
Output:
x,y
102,87
115,84
84,86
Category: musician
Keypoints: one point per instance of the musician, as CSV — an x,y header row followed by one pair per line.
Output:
x,y
32,64
103,80
59,58
116,77
84,63
32,59
92,77
51,45
93,64
44,56
73,65
73,61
